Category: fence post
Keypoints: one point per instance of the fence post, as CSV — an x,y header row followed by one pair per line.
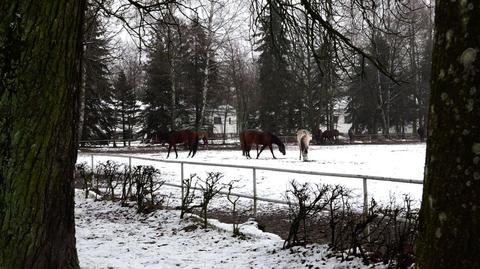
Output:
x,y
254,191
365,207
92,163
130,164
181,179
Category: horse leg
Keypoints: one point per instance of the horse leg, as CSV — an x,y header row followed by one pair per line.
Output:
x,y
247,151
175,148
271,150
194,148
169,148
305,154
190,146
300,157
263,147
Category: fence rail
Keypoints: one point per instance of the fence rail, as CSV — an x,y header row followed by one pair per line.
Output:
x,y
254,169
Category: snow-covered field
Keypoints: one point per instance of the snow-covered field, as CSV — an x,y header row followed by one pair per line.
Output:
x,y
110,236
397,161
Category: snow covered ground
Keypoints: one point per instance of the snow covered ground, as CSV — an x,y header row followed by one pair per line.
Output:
x,y
110,236
397,161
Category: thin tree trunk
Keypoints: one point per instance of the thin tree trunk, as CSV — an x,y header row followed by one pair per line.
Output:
x,y
173,94
225,117
206,71
83,86
173,98
40,74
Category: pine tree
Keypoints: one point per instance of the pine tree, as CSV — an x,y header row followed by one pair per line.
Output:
x,y
275,79
126,106
97,109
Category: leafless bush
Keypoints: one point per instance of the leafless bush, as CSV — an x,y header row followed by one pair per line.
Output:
x,y
110,173
397,236
337,198
209,187
86,174
304,203
233,201
188,186
358,230
146,185
127,185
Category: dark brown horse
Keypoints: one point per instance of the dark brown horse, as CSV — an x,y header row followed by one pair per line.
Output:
x,y
250,137
187,137
160,138
204,136
331,136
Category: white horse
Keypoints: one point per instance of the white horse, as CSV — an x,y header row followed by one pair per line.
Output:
x,y
303,139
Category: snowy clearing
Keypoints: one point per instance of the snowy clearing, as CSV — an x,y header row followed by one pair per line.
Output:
x,y
398,161
110,236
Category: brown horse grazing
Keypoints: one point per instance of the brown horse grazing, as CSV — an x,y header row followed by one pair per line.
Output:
x,y
188,137
250,137
331,136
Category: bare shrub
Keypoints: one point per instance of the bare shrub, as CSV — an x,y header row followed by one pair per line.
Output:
x,y
337,198
127,185
209,188
304,203
109,173
233,201
146,185
86,174
188,187
397,236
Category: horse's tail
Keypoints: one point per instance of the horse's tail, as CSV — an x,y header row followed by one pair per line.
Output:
x,y
304,141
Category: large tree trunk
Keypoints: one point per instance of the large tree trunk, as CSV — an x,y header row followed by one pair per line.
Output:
x,y
40,54
449,232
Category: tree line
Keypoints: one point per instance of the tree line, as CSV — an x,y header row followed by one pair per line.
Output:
x,y
290,77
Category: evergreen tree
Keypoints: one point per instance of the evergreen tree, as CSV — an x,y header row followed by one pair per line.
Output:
x,y
275,80
126,106
194,74
97,109
157,113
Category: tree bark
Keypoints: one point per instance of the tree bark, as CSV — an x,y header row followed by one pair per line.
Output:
x,y
449,231
40,74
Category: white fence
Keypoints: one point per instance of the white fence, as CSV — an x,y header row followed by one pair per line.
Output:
x,y
254,169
